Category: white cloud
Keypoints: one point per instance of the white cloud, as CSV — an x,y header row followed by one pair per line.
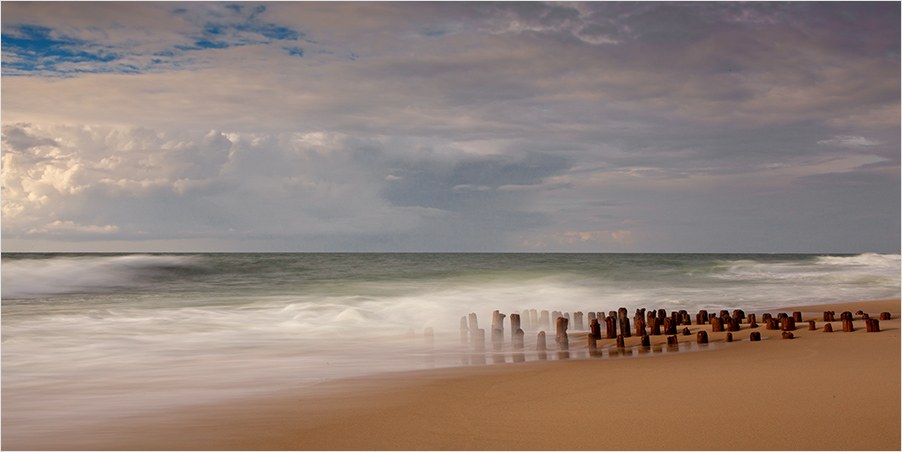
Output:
x,y
848,140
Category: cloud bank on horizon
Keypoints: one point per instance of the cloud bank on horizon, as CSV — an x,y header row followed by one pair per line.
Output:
x,y
599,127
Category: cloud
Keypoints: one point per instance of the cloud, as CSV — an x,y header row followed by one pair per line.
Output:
x,y
446,126
848,140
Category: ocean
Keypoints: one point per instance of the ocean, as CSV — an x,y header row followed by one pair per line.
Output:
x,y
92,336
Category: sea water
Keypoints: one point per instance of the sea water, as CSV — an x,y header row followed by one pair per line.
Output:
x,y
91,336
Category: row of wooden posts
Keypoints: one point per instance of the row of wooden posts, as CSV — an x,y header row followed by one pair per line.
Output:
x,y
617,326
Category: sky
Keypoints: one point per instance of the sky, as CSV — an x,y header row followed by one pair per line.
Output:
x,y
464,127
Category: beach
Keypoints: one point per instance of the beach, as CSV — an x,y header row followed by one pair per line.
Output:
x,y
817,391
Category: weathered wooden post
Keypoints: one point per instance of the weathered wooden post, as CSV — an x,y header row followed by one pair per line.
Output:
x,y
474,326
596,329
739,313
669,327
755,336
610,327
732,324
788,324
828,328
872,325
640,327
859,312
675,318
533,319
686,332
845,315
578,321
766,316
752,323
593,344
620,342
464,331
865,316
847,325
724,314
701,337
702,317
544,321
885,316
729,337
625,325
771,324
787,335
561,337
515,325
661,315
590,317
646,342
540,341
811,325
519,336
828,316
673,340
716,325
797,316
654,327
497,330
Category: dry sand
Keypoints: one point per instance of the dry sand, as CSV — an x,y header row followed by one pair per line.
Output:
x,y
819,391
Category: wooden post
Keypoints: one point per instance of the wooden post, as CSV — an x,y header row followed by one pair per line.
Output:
x,y
732,324
797,316
788,324
661,314
701,337
625,325
673,340
845,315
828,316
640,326
702,317
646,342
590,317
515,325
464,331
596,329
771,324
654,328
716,325
620,342
739,313
724,314
669,327
729,337
497,330
544,321
518,339
752,323
828,328
479,342
787,335
885,316
686,332
540,341
811,325
474,326
847,325
578,321
755,336
872,325
675,318
561,337
610,327
533,319
593,343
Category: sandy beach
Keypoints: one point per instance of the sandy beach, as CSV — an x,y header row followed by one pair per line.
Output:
x,y
823,391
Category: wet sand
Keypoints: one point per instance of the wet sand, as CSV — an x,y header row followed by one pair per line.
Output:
x,y
823,391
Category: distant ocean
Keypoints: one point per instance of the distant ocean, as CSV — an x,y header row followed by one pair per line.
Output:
x,y
88,336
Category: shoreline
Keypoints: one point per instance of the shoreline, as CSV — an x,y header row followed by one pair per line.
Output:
x,y
826,391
